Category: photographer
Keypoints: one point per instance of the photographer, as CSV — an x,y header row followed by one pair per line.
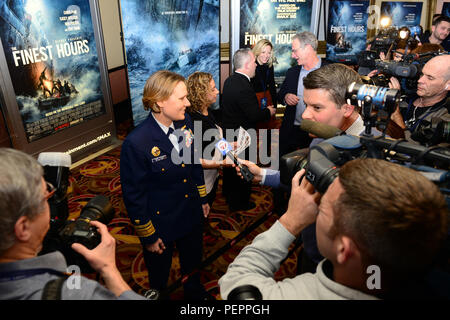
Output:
x,y
24,222
431,100
324,97
375,216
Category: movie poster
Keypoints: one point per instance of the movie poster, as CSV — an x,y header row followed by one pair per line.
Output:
x,y
180,35
402,13
275,20
51,54
446,9
347,30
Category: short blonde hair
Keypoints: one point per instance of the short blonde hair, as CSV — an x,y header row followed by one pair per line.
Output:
x,y
198,86
159,87
259,47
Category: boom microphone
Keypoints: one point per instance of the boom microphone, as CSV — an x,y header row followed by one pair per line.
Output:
x,y
320,130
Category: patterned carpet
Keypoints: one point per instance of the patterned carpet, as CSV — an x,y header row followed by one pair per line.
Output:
x,y
101,176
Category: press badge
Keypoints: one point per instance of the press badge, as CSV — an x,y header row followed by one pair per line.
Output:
x,y
223,146
263,102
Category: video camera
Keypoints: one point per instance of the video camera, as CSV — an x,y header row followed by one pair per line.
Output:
x,y
323,160
430,133
63,232
409,68
385,39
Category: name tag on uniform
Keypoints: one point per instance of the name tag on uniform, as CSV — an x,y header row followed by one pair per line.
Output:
x,y
163,157
223,146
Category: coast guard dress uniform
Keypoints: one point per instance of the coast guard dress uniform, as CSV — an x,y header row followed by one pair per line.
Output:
x,y
164,198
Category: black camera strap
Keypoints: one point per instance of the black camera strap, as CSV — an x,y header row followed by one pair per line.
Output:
x,y
53,289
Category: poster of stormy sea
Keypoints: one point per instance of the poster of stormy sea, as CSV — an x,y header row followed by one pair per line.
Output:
x,y
347,31
275,20
51,54
177,35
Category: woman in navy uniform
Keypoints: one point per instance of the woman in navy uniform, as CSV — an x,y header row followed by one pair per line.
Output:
x,y
163,187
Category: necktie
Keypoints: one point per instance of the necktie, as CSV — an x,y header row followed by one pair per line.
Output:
x,y
175,142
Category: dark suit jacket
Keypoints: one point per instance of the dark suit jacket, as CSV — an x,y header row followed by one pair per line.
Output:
x,y
290,85
163,199
239,104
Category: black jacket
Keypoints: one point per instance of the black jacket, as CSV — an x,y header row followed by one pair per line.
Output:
x,y
239,104
263,80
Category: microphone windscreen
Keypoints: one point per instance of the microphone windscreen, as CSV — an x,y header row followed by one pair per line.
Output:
x,y
320,130
55,159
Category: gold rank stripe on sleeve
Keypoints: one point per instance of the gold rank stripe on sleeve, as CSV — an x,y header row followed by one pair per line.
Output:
x,y
145,230
202,190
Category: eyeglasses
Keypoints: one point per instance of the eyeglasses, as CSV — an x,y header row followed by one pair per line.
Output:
x,y
50,191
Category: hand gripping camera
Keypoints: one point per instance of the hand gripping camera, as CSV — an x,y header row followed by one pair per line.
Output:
x,y
63,232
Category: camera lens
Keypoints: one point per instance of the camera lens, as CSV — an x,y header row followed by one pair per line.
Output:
x,y
246,292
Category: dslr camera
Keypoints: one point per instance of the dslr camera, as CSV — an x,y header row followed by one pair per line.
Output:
x,y
80,230
63,232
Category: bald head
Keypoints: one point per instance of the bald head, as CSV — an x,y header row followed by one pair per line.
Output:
x,y
434,83
441,64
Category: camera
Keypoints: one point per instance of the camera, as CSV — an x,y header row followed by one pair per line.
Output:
x,y
398,69
63,232
376,103
385,39
431,133
62,235
408,69
323,160
245,292
80,230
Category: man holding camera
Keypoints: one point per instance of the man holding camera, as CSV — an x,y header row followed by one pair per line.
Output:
x,y
379,226
324,97
431,102
24,222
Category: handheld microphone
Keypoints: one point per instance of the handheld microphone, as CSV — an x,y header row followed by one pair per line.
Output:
x,y
320,130
245,171
225,148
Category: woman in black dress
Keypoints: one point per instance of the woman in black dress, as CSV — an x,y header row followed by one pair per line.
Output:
x,y
264,82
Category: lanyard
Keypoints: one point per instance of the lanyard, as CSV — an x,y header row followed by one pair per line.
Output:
x,y
420,119
14,275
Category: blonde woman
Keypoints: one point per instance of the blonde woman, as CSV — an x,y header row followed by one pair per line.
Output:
x,y
264,82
